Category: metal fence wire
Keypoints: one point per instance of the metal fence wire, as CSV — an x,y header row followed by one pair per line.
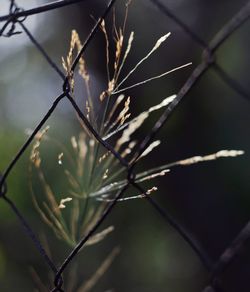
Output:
x,y
14,23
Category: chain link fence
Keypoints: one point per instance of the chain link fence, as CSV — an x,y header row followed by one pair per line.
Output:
x,y
14,23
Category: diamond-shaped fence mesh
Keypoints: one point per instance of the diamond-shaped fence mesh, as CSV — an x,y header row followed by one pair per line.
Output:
x,y
14,23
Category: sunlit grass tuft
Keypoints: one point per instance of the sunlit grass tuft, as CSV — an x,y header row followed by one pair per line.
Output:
x,y
93,175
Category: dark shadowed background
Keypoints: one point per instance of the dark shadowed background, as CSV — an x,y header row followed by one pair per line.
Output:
x,y
211,200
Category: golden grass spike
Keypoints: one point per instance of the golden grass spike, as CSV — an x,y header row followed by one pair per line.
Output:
x,y
69,59
119,45
156,46
129,149
132,127
118,100
141,196
99,236
35,153
154,175
106,190
103,28
164,103
64,64
83,72
189,161
130,40
111,86
150,148
219,154
151,79
123,116
82,64
162,170
103,95
119,39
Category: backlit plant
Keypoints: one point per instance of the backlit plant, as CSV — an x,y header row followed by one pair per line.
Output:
x,y
94,175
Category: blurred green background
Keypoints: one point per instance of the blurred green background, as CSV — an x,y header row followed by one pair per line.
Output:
x,y
210,200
